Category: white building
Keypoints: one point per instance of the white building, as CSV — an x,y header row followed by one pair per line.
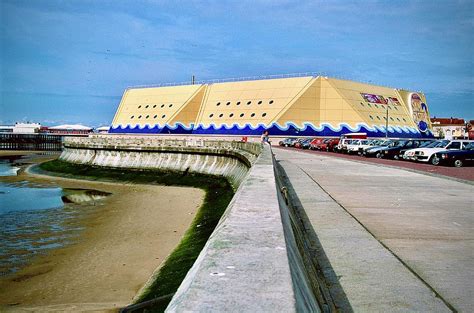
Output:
x,y
26,128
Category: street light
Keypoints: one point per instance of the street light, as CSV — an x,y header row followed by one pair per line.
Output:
x,y
386,122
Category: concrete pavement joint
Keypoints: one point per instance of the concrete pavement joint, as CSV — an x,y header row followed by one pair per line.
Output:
x,y
459,180
385,246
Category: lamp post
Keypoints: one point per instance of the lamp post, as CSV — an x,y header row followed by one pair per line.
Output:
x,y
386,122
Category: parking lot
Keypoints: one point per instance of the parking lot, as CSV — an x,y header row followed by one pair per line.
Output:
x,y
463,173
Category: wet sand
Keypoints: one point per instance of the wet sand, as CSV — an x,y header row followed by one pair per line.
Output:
x,y
126,237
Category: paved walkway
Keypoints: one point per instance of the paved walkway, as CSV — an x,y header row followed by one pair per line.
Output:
x,y
394,240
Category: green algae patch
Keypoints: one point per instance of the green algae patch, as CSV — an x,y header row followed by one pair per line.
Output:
x,y
219,193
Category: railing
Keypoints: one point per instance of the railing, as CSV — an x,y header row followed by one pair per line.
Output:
x,y
261,77
148,142
37,142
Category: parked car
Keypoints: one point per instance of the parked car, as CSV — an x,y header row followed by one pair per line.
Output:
x,y
345,139
315,142
321,144
331,145
288,142
371,143
303,143
397,150
426,154
376,150
410,154
354,145
457,158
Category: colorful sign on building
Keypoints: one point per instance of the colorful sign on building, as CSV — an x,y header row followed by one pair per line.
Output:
x,y
420,112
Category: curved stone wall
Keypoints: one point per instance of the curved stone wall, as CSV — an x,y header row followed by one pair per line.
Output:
x,y
224,158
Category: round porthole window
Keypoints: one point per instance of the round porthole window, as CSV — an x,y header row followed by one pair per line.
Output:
x,y
154,106
162,105
264,114
271,102
211,115
139,106
252,115
139,116
155,116
132,117
260,102
163,116
231,114
238,103
248,103
228,103
146,107
147,116
218,104
221,115
242,115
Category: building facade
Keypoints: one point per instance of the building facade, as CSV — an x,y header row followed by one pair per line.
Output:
x,y
299,106
450,128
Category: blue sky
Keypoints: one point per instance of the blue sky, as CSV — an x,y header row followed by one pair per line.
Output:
x,y
70,61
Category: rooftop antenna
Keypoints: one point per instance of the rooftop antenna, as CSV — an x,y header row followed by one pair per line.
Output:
x,y
193,79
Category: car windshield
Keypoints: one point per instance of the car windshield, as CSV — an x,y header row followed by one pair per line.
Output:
x,y
364,142
440,144
425,144
386,143
326,140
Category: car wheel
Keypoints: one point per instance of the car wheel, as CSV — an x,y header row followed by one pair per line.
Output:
x,y
396,157
286,145
434,160
458,163
379,155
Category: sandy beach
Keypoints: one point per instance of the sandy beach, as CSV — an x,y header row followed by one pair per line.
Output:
x,y
126,237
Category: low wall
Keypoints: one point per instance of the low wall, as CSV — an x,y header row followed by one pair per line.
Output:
x,y
250,263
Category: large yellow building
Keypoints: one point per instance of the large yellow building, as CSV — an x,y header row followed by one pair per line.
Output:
x,y
302,106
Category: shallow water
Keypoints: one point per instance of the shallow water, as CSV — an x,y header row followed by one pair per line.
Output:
x,y
35,219
6,169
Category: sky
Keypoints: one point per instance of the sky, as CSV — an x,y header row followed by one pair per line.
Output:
x,y
69,61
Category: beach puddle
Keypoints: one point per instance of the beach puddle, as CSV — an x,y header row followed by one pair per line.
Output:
x,y
8,165
35,219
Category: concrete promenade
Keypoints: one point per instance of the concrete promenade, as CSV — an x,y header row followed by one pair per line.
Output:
x,y
388,240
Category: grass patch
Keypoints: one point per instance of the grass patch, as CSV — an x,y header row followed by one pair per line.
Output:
x,y
218,195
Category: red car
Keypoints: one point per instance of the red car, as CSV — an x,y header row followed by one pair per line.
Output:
x,y
323,144
331,145
315,142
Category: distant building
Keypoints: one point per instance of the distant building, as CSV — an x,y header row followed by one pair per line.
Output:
x,y
26,128
70,130
296,106
102,129
6,128
449,128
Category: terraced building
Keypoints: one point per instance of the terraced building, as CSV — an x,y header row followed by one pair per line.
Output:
x,y
298,106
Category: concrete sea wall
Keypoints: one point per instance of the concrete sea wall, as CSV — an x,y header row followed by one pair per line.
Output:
x,y
223,158
251,262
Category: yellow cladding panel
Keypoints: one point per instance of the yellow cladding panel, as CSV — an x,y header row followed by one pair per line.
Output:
x,y
370,113
152,106
248,102
305,107
189,112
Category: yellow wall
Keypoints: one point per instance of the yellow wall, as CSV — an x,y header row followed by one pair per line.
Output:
x,y
259,102
305,107
354,109
153,106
